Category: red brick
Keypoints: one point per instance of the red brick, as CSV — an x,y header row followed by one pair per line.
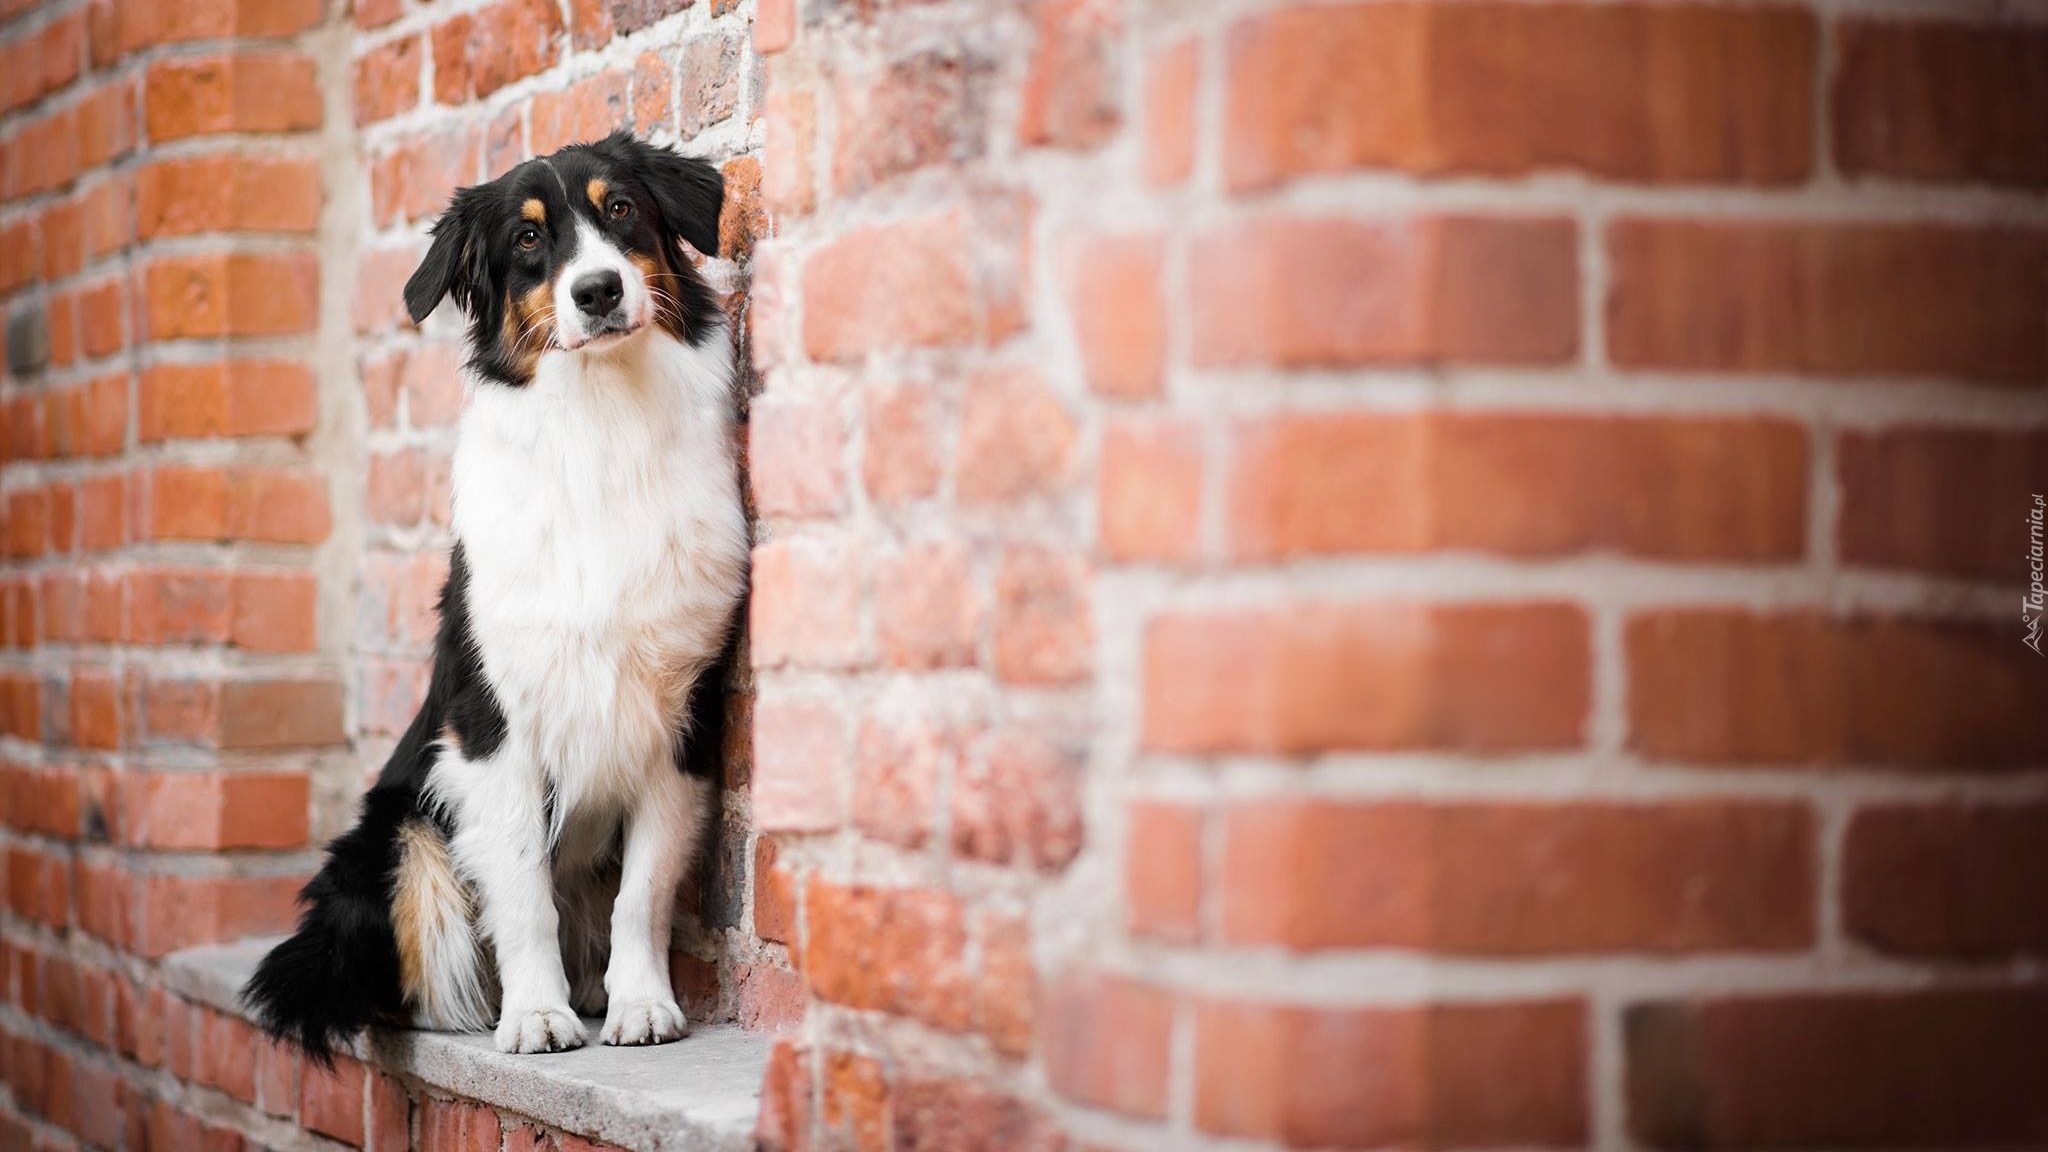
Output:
x,y
800,759
477,53
1151,491
1044,631
1105,1040
1119,313
654,87
788,181
380,286
709,73
277,1078
1947,879
1478,677
95,710
1670,488
226,398
108,216
774,26
900,756
375,13
1950,501
174,912
1723,686
900,454
855,1094
227,193
1513,879
102,323
1018,802
239,92
786,1089
1948,1069
1163,871
331,1102
238,294
805,607
901,285
1939,101
177,606
106,122
890,949
213,810
928,608
795,451
966,1115
1444,1076
774,895
227,1055
280,713
390,1115
457,1127
143,22
912,113
1017,440
387,79
1306,292
1668,94
1072,91
1006,991
417,175
274,611
585,111
1829,299
103,512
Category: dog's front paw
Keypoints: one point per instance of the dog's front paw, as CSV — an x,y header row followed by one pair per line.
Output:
x,y
644,1022
540,1030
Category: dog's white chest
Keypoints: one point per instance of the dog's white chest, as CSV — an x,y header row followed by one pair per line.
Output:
x,y
599,512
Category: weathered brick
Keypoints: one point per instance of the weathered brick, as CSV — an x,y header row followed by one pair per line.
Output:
x,y
1653,93
1726,686
1442,1076
1517,879
1828,299
1868,1070
1310,292
1474,677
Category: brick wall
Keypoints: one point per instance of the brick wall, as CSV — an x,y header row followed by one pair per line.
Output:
x,y
1330,574
225,500
1402,574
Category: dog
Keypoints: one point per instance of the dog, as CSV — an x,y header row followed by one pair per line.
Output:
x,y
516,861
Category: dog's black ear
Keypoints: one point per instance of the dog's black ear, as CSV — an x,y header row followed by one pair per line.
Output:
x,y
455,263
688,190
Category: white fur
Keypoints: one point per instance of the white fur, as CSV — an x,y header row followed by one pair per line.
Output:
x,y
599,511
594,253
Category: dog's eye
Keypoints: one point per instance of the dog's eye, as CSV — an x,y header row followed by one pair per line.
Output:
x,y
620,208
528,239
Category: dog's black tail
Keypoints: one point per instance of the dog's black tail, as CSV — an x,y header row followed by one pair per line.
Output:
x,y
340,970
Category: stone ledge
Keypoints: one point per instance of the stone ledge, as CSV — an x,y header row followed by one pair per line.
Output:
x,y
698,1094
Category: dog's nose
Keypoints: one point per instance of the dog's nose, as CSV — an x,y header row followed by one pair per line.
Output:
x,y
598,293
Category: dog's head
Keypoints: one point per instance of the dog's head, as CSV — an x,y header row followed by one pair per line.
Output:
x,y
574,252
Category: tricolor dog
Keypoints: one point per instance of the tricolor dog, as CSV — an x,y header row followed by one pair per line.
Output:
x,y
516,861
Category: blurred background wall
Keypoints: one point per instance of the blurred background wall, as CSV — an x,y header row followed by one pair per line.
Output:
x,y
1339,574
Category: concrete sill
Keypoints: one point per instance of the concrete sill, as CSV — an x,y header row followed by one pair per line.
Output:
x,y
698,1094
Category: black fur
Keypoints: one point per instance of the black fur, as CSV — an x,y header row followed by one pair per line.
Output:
x,y
339,971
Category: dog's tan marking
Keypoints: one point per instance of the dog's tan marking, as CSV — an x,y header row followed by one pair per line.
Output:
x,y
426,894
535,211
596,190
530,326
661,280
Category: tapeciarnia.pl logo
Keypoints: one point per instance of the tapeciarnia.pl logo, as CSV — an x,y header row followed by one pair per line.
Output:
x,y
2031,608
